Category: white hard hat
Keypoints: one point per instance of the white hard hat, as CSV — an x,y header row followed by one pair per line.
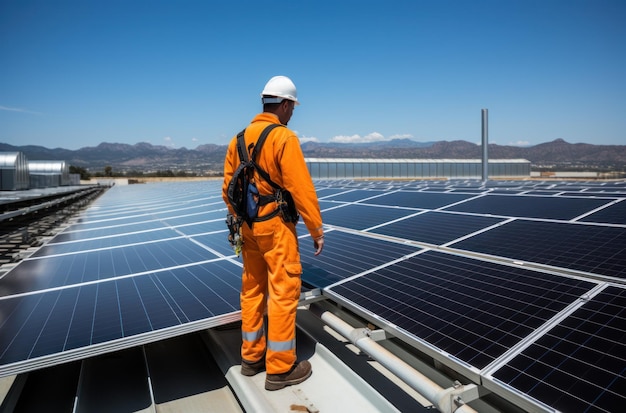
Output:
x,y
279,88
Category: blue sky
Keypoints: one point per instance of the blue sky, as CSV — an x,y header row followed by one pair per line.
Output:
x,y
185,73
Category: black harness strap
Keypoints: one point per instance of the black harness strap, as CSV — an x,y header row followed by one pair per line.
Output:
x,y
257,148
243,157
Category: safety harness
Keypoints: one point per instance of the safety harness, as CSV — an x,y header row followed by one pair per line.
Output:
x,y
252,166
244,196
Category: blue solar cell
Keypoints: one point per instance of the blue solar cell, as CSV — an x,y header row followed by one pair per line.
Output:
x,y
107,231
206,227
324,205
585,194
354,195
614,214
474,310
506,191
468,190
542,192
436,228
425,200
77,245
347,254
580,364
323,193
591,248
357,216
101,264
217,241
530,206
183,218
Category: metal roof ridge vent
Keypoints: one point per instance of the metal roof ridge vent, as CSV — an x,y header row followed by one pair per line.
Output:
x,y
448,400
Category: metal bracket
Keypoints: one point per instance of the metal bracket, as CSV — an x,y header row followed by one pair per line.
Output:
x,y
376,335
463,394
311,296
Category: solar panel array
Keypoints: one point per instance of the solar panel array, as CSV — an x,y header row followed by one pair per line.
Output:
x,y
135,268
517,285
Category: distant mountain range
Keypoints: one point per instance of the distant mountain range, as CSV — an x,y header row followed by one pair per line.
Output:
x,y
209,158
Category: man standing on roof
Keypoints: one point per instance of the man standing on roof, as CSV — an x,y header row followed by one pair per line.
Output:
x,y
271,258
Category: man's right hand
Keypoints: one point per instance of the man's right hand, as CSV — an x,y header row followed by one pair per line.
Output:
x,y
318,244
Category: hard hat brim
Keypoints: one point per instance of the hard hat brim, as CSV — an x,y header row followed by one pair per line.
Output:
x,y
276,99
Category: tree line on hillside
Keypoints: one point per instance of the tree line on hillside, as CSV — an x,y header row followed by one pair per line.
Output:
x,y
108,172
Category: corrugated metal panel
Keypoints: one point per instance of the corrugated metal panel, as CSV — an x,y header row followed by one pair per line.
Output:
x,y
49,173
13,171
332,168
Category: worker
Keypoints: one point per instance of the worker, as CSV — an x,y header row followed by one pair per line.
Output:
x,y
271,259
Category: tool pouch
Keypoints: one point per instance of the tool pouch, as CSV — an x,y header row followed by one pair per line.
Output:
x,y
287,206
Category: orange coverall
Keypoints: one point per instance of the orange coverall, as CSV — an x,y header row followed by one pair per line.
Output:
x,y
271,258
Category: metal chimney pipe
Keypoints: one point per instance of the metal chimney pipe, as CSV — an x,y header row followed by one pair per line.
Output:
x,y
485,143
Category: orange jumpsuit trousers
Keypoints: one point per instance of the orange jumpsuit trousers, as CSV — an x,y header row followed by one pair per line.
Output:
x,y
271,276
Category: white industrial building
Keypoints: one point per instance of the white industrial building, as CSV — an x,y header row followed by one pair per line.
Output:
x,y
331,168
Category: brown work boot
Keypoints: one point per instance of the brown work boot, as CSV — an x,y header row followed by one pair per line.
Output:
x,y
298,373
251,369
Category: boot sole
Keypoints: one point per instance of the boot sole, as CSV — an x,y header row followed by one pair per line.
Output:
x,y
249,372
281,384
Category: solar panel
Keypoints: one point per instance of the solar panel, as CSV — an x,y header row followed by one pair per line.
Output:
x,y
75,319
216,242
119,228
80,245
81,267
579,365
324,192
435,227
414,199
357,216
349,254
583,193
354,195
613,214
597,249
469,309
212,226
133,269
530,207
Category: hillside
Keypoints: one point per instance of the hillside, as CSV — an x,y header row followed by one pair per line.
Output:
x,y
207,159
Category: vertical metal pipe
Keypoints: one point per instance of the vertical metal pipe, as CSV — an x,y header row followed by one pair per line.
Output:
x,y
485,143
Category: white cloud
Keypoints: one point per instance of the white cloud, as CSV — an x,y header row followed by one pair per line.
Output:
x,y
308,139
168,141
194,139
519,143
9,109
372,137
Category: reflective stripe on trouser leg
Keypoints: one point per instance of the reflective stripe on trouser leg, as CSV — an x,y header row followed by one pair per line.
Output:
x,y
281,345
254,340
252,335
